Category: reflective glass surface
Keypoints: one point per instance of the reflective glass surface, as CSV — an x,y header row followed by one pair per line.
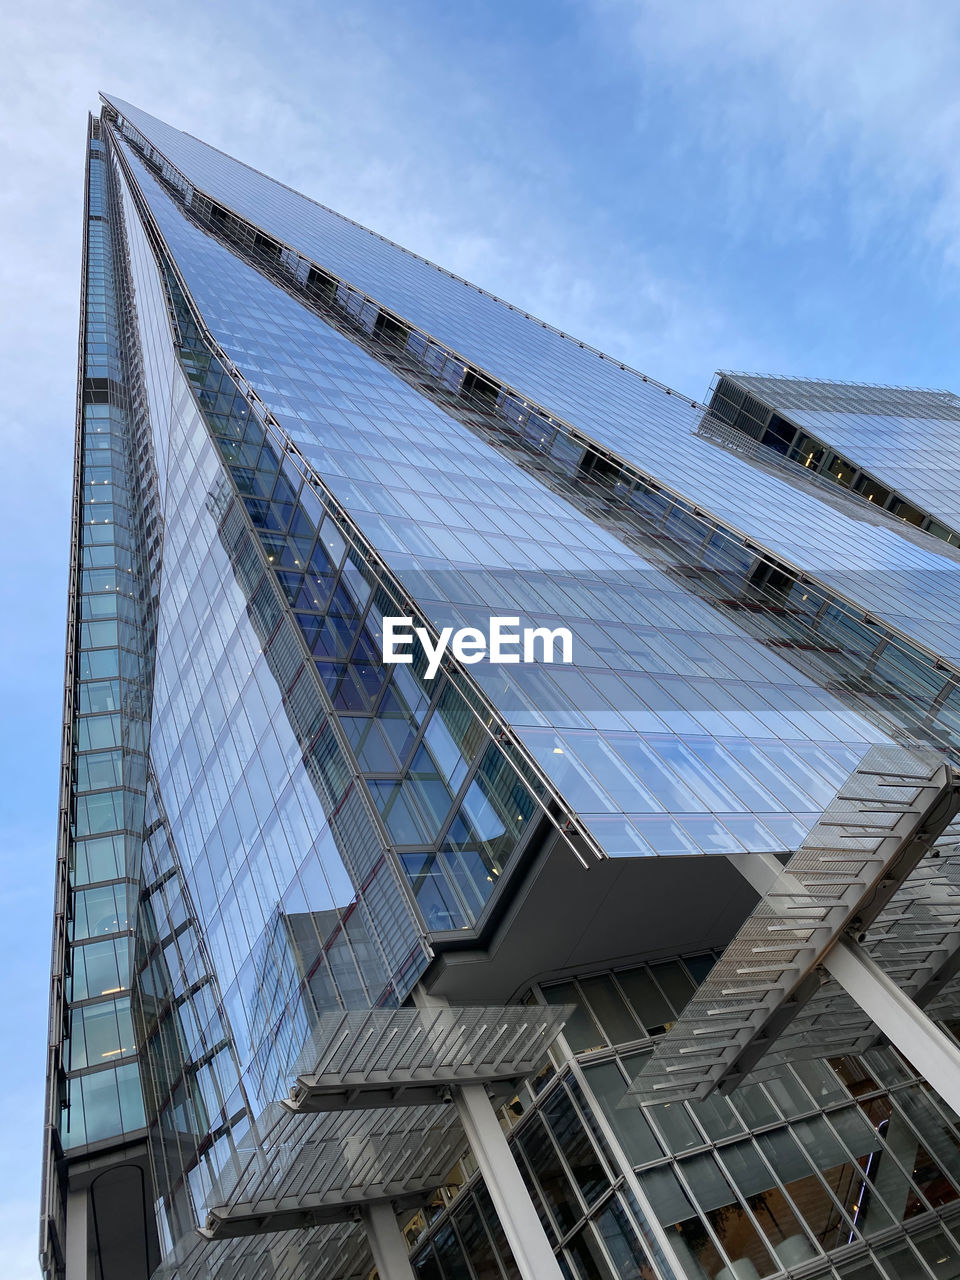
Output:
x,y
823,1157
265,822
914,588
107,703
669,727
889,444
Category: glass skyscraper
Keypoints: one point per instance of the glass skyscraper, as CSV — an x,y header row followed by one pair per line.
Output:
x,y
637,959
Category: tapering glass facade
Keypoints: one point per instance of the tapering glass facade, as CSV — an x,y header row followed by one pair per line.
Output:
x,y
291,430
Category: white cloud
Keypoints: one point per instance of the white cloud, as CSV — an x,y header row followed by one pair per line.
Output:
x,y
810,97
344,102
340,101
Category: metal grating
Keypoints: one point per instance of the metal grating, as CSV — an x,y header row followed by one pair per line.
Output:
x,y
408,1057
849,397
294,1171
869,840
288,1198
337,1253
916,941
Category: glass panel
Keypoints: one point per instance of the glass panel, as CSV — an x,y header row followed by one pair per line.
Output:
x,y
610,1010
902,1263
890,1168
426,1267
820,1082
450,1253
628,1122
860,1271
629,1259
688,1236
647,1000
754,1106
495,1230
887,1066
549,1173
675,983
788,1093
716,1117
131,1097
825,1220
773,1212
936,1135
476,1243
939,1252
675,1126
699,966
573,1140
587,1257
715,1198
436,897
100,968
581,1032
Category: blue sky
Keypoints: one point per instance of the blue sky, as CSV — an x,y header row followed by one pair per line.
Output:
x,y
688,184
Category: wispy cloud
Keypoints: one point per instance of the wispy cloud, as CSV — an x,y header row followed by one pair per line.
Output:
x,y
361,108
805,99
574,158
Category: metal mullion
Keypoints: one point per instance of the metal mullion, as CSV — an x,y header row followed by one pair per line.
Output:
x,y
97,1068
102,998
607,1158
887,1151
628,1175
917,1082
592,1225
701,1214
612,975
588,1009
611,1175
778,1185
818,1174
911,1124
918,1256
669,1003
494,1251
520,1155
608,1195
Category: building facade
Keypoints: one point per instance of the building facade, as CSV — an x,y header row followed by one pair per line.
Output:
x,y
637,963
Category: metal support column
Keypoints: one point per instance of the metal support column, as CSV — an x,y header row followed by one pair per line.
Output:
x,y
77,1250
761,870
901,1020
665,1249
387,1244
518,1216
904,1024
524,1231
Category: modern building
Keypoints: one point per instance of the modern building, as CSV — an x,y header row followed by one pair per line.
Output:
x,y
640,963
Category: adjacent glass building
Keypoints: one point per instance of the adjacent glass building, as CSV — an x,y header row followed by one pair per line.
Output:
x,y
358,971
